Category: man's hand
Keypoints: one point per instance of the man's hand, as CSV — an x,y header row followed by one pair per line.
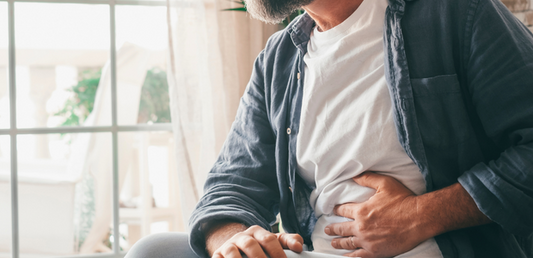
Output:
x,y
254,242
394,220
383,226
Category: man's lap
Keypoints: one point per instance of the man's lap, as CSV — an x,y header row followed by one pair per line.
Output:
x,y
162,245
175,244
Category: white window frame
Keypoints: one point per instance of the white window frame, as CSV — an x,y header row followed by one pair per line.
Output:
x,y
114,129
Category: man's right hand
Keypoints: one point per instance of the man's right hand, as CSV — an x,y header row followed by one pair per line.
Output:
x,y
231,240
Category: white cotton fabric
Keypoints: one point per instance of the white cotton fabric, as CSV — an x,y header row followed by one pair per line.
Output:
x,y
347,125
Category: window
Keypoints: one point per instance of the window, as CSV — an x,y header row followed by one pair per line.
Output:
x,y
86,147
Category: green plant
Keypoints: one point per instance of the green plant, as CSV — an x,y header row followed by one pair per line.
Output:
x,y
80,105
285,22
153,107
240,9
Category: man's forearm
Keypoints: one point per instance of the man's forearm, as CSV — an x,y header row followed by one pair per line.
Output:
x,y
394,220
218,233
448,209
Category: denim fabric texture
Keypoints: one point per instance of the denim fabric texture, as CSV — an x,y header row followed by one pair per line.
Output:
x,y
460,74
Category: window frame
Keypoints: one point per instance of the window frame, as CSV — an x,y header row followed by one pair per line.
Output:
x,y
114,128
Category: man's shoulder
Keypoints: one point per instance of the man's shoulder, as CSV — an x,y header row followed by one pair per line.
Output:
x,y
279,40
279,53
280,37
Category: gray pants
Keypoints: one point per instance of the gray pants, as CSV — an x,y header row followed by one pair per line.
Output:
x,y
176,245
162,245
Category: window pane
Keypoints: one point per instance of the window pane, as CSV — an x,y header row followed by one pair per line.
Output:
x,y
5,197
150,196
61,54
4,65
65,196
141,69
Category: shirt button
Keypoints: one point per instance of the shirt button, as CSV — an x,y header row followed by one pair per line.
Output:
x,y
404,105
288,130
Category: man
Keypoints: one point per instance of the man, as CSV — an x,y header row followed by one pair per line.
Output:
x,y
459,80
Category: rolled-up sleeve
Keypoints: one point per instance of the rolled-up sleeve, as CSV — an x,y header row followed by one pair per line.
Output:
x,y
242,185
500,78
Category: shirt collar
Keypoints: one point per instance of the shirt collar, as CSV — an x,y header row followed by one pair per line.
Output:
x,y
300,29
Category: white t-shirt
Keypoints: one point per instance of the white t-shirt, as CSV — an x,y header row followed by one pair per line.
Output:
x,y
347,125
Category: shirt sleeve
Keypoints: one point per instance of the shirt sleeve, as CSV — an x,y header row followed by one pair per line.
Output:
x,y
242,185
500,80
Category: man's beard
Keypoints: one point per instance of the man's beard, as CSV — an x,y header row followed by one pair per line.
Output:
x,y
273,11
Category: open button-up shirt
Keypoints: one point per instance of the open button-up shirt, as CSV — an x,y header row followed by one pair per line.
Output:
x,y
460,75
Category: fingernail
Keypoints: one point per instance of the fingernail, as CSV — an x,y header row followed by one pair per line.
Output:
x,y
327,230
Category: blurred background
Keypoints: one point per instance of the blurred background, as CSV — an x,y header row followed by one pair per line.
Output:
x,y
62,76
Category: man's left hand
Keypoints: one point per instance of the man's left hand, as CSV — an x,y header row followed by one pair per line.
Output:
x,y
386,225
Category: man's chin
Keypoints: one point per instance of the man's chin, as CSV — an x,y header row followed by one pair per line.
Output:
x,y
273,11
263,11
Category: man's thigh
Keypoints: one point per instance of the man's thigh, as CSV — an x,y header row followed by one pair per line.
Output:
x,y
162,245
176,245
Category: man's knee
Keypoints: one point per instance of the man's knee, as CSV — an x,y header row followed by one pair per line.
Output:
x,y
162,245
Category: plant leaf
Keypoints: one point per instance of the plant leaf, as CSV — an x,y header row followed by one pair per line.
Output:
x,y
241,9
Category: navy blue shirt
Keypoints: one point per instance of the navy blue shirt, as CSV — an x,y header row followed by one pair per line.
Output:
x,y
460,75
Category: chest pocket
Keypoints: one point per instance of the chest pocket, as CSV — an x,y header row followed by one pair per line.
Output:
x,y
441,113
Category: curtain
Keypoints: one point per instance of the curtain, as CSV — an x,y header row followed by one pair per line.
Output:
x,y
91,159
211,54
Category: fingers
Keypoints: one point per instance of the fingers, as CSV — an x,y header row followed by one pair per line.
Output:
x,y
294,242
379,182
347,210
270,244
341,229
369,179
256,242
347,243
362,253
351,243
251,247
241,243
228,250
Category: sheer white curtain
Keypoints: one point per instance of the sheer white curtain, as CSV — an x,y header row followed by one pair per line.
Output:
x,y
211,57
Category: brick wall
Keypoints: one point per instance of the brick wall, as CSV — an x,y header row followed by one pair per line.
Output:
x,y
523,9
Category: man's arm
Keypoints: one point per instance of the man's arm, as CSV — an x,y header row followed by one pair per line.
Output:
x,y
221,232
395,220
242,184
500,82
448,209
